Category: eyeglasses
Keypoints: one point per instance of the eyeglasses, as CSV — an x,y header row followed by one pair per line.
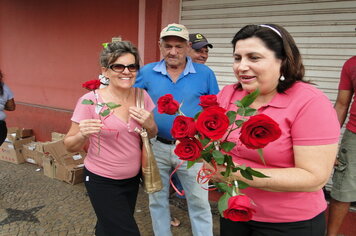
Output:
x,y
121,67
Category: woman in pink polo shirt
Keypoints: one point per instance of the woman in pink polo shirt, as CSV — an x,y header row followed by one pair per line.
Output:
x,y
113,164
291,201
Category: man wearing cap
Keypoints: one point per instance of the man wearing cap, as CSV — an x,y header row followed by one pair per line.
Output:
x,y
200,51
176,74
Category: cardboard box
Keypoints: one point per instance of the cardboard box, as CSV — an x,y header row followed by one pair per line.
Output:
x,y
48,166
72,174
12,151
15,133
57,136
68,166
32,153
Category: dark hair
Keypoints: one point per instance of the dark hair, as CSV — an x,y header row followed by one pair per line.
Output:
x,y
282,45
1,84
115,50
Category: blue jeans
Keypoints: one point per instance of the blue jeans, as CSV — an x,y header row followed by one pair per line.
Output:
x,y
197,197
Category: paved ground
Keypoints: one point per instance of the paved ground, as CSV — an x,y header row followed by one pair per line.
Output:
x,y
33,204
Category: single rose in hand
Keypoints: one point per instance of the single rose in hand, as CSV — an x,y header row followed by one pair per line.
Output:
x,y
239,208
188,149
183,127
208,101
91,84
166,104
258,131
212,122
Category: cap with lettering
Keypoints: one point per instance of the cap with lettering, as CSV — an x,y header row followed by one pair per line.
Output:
x,y
175,30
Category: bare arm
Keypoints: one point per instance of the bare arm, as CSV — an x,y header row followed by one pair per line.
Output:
x,y
313,166
10,105
78,134
342,104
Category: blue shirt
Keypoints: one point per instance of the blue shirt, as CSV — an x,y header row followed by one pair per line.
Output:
x,y
195,81
7,95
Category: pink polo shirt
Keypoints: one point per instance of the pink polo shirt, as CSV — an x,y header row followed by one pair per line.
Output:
x,y
119,156
306,117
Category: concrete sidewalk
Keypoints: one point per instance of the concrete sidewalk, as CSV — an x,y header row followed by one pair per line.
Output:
x,y
33,204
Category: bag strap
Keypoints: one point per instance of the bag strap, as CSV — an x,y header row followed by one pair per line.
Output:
x,y
140,103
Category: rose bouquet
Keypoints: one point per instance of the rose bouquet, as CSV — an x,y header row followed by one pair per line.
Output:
x,y
205,137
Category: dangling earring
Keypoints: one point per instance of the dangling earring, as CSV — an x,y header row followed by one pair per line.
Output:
x,y
282,78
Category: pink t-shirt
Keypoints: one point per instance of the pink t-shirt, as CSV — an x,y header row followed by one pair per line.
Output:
x,y
306,117
119,156
348,82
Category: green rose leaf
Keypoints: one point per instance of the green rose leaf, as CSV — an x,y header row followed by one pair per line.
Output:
x,y
256,173
218,156
250,98
197,115
87,102
222,203
205,141
222,186
227,146
239,123
242,184
105,112
112,105
190,164
241,111
206,156
249,111
232,116
246,174
238,103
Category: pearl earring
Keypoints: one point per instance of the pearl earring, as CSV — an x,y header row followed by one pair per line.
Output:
x,y
282,78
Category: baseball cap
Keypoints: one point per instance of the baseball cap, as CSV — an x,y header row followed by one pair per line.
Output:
x,y
175,30
198,41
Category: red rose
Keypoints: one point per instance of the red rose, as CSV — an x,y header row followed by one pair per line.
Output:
x,y
166,104
183,127
91,84
258,131
212,122
208,101
239,208
188,149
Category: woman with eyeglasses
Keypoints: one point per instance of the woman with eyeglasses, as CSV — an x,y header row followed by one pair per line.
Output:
x,y
113,162
7,103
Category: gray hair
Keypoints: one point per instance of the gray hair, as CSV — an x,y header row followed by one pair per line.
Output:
x,y
115,50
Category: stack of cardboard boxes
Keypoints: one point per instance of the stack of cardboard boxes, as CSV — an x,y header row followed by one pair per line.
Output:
x,y
20,147
11,149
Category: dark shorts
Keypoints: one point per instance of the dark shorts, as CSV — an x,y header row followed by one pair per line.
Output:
x,y
344,177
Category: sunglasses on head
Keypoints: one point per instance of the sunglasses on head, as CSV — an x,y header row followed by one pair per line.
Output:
x,y
121,67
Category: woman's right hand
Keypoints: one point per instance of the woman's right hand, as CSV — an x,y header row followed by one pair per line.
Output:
x,y
90,126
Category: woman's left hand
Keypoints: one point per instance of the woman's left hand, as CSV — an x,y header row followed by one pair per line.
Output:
x,y
142,116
